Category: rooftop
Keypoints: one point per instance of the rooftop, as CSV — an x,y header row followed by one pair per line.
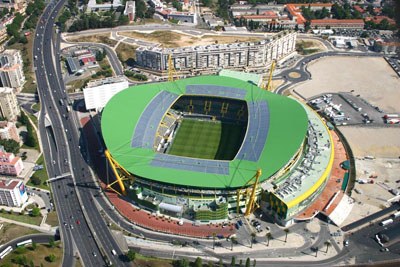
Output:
x,y
284,136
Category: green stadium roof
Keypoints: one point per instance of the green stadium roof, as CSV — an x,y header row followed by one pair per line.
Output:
x,y
286,132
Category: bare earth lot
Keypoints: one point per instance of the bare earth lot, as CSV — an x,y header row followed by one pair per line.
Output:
x,y
170,39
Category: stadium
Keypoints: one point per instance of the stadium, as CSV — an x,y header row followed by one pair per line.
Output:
x,y
206,147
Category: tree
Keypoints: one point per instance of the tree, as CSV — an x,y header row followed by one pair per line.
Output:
x,y
52,244
140,9
240,262
214,235
21,260
34,245
220,263
233,241
131,255
233,261
99,56
286,232
269,237
35,180
316,251
36,212
253,238
207,3
198,262
31,264
327,244
23,119
181,263
51,258
30,137
10,145
248,262
254,263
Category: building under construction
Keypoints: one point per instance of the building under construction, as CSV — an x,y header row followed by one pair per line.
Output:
x,y
249,56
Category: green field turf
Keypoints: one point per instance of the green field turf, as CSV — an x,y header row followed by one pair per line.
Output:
x,y
207,139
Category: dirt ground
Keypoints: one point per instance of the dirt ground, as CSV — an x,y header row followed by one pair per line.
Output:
x,y
98,38
377,142
170,39
374,196
12,231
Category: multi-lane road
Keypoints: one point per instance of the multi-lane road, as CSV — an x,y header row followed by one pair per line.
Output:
x,y
82,228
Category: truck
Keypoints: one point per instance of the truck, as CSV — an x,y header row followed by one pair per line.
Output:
x,y
390,116
386,222
392,121
396,215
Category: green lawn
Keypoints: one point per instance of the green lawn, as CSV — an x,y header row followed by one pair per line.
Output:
x,y
26,218
41,174
207,139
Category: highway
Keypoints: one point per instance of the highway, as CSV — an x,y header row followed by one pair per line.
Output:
x,y
82,229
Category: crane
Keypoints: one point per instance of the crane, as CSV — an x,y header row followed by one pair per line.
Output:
x,y
250,201
120,176
171,69
267,84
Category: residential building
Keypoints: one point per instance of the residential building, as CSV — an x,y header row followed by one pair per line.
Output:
x,y
8,130
10,164
356,24
98,92
252,56
11,69
8,104
12,193
18,5
130,10
184,17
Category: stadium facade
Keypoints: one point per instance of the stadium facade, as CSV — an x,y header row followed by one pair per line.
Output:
x,y
202,173
252,56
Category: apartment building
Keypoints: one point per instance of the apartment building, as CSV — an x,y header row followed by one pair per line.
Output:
x,y
10,164
8,104
12,193
11,69
211,58
8,130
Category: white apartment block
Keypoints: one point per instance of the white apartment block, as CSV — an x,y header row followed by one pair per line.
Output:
x,y
8,104
99,92
12,193
11,69
252,56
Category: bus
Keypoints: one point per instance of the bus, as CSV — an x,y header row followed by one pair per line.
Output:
x,y
23,243
5,252
386,222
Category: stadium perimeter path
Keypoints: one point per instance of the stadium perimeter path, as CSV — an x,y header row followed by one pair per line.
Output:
x,y
332,186
136,215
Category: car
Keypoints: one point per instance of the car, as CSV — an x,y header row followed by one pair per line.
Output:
x,y
94,254
384,249
114,252
65,224
346,243
78,222
72,227
240,222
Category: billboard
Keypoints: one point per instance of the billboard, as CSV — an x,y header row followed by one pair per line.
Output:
x,y
22,189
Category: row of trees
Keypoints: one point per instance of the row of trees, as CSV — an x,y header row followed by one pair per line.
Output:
x,y
94,21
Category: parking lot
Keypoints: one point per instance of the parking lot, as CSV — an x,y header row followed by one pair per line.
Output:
x,y
394,63
347,108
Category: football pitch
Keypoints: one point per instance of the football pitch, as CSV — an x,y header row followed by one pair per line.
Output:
x,y
207,139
